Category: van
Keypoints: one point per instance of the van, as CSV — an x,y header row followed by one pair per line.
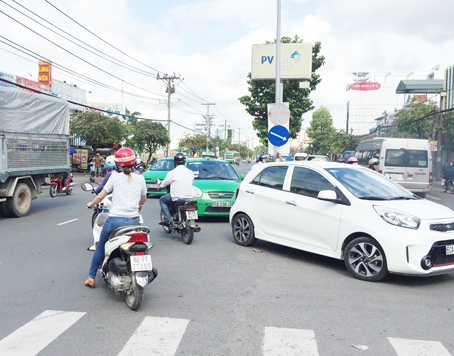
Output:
x,y
299,156
406,161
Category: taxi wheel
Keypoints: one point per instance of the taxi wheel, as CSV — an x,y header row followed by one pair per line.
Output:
x,y
365,259
243,230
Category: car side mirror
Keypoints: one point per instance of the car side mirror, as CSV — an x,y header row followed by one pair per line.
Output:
x,y
329,195
242,176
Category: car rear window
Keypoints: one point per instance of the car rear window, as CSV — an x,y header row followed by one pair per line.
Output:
x,y
406,158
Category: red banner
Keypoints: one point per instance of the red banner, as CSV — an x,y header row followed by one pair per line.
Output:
x,y
45,73
365,86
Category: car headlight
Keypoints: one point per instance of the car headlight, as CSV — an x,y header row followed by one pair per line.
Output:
x,y
197,192
398,218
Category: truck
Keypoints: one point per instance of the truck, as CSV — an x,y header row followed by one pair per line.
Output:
x,y
34,144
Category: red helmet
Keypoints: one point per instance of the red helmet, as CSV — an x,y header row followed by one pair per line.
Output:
x,y
125,157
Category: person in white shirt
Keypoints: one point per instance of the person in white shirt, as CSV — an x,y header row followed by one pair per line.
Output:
x,y
180,181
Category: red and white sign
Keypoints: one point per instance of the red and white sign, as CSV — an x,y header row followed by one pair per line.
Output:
x,y
364,86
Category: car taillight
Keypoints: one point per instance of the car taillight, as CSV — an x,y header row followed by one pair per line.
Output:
x,y
138,237
430,178
190,207
237,191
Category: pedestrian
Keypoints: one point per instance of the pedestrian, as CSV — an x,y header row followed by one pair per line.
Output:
x,y
129,193
97,166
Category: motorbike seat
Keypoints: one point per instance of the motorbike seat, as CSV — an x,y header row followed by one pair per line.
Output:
x,y
121,230
179,202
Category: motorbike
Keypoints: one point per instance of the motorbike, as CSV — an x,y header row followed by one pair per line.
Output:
x,y
61,183
140,167
448,185
127,267
184,213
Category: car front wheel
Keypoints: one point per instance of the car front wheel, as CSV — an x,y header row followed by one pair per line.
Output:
x,y
243,230
365,259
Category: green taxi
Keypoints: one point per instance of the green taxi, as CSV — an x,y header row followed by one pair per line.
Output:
x,y
215,183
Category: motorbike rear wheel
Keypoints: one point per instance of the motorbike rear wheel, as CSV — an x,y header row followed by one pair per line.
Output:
x,y
53,190
134,298
187,234
69,191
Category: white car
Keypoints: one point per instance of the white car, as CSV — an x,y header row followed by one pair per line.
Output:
x,y
345,212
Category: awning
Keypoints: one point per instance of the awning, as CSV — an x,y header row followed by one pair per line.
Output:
x,y
72,150
433,86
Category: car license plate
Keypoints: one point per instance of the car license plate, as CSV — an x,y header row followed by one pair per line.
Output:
x,y
395,176
153,186
141,263
450,249
221,204
191,215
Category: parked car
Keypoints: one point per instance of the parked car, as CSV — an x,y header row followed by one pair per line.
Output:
x,y
345,212
215,183
317,158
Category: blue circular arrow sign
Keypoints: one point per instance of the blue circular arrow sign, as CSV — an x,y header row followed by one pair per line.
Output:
x,y
278,135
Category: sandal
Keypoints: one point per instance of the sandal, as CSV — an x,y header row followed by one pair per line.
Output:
x,y
90,282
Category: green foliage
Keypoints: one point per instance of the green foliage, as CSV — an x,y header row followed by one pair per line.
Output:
x,y
448,130
262,92
97,129
342,141
321,131
412,123
260,149
148,136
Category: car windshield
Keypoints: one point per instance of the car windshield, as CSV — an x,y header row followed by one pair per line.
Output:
x,y
213,170
366,184
163,165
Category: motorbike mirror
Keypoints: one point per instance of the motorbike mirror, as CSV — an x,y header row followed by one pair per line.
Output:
x,y
87,186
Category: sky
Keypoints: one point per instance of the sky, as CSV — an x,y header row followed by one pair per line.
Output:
x,y
208,46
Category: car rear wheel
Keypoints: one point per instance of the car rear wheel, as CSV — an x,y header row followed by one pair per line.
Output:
x,y
243,230
365,259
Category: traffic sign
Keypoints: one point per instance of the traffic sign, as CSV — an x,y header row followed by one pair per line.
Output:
x,y
279,114
278,135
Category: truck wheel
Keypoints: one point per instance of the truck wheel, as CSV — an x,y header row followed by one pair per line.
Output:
x,y
20,203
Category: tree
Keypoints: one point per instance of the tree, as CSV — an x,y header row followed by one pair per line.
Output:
x,y
97,129
321,131
415,121
342,141
148,136
262,92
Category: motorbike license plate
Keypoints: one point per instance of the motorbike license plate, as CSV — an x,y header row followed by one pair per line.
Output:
x,y
450,249
192,215
221,204
141,263
153,186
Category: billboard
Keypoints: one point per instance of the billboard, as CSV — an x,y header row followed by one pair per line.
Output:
x,y
31,84
9,77
295,58
45,73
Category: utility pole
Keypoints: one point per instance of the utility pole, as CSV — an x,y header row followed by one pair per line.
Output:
x,y
208,118
170,89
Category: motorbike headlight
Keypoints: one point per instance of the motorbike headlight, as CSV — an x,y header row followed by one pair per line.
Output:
x,y
197,192
398,218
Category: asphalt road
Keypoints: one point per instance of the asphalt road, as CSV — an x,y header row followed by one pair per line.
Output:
x,y
226,299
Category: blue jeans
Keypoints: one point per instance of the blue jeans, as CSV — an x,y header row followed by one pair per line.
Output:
x,y
110,225
166,201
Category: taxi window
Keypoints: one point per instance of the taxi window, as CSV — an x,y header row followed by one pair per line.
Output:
x,y
309,182
272,177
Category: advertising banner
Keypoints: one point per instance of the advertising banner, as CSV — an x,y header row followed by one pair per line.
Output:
x,y
45,73
31,84
9,77
80,158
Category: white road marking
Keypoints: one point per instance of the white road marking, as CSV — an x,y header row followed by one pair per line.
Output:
x,y
34,336
289,342
67,222
406,347
431,197
156,336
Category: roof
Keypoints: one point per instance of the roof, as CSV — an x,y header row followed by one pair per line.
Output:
x,y
420,86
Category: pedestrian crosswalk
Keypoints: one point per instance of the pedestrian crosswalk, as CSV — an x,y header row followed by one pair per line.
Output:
x,y
162,337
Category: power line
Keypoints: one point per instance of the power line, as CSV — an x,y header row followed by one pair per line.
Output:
x,y
134,69
99,37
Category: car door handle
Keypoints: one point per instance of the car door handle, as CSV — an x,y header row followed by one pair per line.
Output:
x,y
290,202
249,191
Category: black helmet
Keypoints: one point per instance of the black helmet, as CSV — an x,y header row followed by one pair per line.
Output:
x,y
179,159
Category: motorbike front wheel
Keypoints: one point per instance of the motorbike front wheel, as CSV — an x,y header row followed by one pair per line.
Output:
x,y
187,234
134,298
69,191
53,190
